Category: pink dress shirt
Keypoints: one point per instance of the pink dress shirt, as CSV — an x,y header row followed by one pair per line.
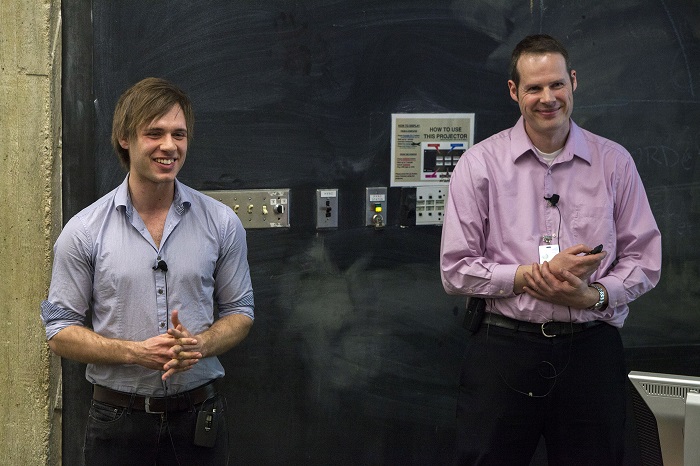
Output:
x,y
496,218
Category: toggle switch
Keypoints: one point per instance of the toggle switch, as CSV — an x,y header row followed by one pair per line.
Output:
x,y
257,208
326,208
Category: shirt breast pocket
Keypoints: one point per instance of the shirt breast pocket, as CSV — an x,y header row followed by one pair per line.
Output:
x,y
593,225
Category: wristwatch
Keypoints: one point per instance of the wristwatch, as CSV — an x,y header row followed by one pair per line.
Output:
x,y
601,297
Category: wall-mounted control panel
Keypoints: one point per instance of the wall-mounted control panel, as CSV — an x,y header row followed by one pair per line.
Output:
x,y
375,207
430,204
326,208
257,208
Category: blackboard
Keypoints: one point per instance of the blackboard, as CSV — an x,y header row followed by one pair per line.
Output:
x,y
354,355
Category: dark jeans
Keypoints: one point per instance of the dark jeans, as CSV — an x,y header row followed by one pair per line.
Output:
x,y
121,436
516,387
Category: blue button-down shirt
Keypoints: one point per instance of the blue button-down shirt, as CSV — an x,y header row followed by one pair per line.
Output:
x,y
104,262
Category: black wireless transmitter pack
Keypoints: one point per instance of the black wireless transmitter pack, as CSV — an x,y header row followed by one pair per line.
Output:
x,y
205,430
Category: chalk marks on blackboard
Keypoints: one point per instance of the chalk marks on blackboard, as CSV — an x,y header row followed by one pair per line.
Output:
x,y
623,103
691,87
663,156
673,208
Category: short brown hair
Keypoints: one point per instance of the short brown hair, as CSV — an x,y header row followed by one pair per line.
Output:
x,y
538,44
142,103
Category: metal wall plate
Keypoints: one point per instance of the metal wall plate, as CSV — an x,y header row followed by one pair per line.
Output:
x,y
375,207
257,208
430,204
326,208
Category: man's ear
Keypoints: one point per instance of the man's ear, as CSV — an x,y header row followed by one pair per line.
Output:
x,y
513,90
124,143
574,83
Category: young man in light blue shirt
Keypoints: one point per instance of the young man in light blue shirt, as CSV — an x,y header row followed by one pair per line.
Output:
x,y
150,261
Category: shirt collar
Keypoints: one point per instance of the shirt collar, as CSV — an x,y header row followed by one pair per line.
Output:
x,y
575,144
181,201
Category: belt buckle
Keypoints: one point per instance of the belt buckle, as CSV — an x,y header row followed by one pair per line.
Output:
x,y
147,406
544,332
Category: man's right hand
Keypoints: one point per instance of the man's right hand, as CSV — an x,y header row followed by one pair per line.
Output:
x,y
157,352
86,346
573,260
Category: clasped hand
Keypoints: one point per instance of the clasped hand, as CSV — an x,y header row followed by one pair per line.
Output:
x,y
176,351
564,280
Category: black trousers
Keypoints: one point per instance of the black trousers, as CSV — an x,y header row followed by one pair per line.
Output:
x,y
123,436
516,387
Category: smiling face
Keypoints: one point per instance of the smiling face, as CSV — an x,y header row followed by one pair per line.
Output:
x,y
545,95
158,150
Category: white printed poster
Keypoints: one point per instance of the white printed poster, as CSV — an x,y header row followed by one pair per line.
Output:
x,y
425,147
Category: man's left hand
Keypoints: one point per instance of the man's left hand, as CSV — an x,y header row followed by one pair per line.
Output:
x,y
183,356
557,286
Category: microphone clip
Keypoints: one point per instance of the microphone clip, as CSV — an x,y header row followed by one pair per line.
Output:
x,y
553,199
161,265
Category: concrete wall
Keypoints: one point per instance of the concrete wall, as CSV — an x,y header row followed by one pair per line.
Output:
x,y
30,217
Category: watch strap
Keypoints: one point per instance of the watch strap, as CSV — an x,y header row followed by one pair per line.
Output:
x,y
601,297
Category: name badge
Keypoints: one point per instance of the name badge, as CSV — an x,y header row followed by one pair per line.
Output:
x,y
548,251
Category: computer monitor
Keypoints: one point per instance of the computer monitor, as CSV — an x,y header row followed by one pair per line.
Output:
x,y
667,416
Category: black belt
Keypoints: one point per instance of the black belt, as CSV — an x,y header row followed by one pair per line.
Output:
x,y
153,404
549,329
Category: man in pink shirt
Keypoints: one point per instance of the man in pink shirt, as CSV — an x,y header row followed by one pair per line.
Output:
x,y
526,207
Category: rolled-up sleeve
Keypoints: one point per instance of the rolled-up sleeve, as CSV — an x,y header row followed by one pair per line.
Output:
x,y
233,289
70,292
56,318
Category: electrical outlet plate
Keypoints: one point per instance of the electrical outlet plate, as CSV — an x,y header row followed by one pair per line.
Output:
x,y
430,204
257,208
375,207
326,208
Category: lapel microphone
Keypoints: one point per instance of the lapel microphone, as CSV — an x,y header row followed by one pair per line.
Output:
x,y
161,265
553,199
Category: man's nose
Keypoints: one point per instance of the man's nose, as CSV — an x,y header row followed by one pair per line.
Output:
x,y
168,143
547,95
